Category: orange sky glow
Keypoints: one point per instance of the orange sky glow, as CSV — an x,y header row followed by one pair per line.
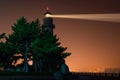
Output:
x,y
95,45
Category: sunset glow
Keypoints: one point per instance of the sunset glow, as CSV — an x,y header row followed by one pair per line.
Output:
x,y
90,29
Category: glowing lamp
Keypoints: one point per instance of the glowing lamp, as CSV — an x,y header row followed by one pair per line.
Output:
x,y
47,15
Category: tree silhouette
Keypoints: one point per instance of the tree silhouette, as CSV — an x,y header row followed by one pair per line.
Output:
x,y
23,34
48,52
33,43
7,51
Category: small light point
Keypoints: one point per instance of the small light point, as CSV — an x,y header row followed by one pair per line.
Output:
x,y
47,8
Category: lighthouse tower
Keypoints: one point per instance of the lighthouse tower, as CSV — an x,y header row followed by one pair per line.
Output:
x,y
48,22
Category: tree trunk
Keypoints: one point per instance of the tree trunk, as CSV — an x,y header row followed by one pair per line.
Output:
x,y
35,65
25,69
40,65
49,66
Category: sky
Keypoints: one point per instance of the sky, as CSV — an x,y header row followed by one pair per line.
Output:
x,y
95,45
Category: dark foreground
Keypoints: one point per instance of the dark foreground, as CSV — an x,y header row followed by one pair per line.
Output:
x,y
72,76
96,76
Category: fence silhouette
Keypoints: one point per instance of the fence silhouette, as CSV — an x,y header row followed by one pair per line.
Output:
x,y
95,76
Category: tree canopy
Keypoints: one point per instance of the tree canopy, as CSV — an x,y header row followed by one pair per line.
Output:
x,y
33,43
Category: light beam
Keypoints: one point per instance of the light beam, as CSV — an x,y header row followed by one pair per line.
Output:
x,y
97,17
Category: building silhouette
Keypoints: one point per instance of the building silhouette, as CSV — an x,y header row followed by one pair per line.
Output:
x,y
48,22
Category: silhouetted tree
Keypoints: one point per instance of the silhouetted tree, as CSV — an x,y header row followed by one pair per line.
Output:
x,y
37,55
29,40
47,51
7,51
2,36
23,34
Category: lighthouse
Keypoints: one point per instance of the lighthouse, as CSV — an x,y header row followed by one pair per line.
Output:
x,y
48,22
